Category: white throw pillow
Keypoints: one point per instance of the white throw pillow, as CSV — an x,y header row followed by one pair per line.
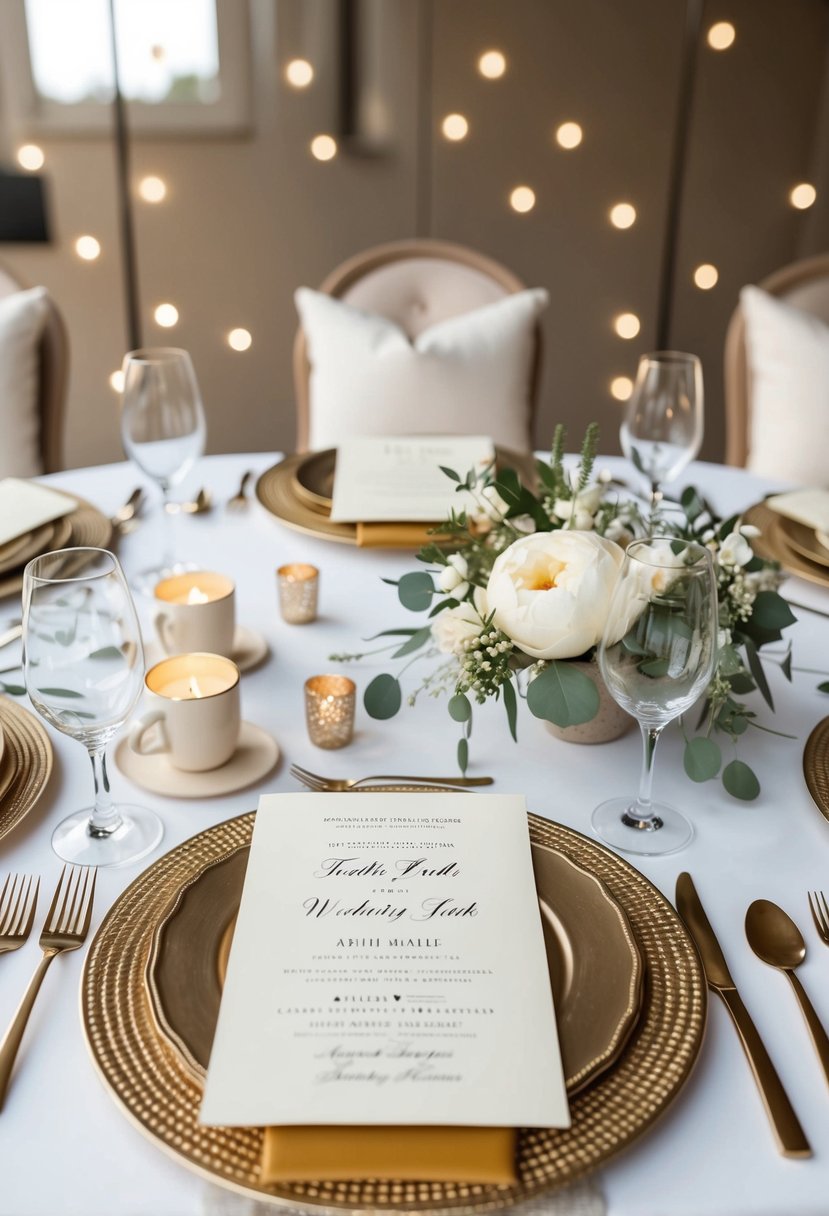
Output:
x,y
788,366
22,317
469,374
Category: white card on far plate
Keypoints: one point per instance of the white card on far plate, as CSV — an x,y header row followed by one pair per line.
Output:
x,y
809,507
388,967
399,479
25,505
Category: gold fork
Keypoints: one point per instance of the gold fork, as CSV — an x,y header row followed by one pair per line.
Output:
x,y
65,928
239,501
332,785
17,910
820,914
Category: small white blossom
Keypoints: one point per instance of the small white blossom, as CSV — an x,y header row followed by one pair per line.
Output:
x,y
735,551
454,576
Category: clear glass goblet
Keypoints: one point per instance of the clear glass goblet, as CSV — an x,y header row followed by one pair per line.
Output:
x,y
661,431
163,430
83,665
656,657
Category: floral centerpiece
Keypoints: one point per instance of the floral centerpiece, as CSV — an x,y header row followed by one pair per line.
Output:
x,y
518,586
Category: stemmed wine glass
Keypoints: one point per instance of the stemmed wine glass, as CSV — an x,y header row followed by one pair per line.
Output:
x,y
83,665
163,430
656,657
661,431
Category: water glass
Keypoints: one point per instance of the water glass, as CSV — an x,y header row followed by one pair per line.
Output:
x,y
661,431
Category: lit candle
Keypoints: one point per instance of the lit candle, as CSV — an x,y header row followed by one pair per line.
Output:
x,y
200,587
196,612
298,585
329,710
192,677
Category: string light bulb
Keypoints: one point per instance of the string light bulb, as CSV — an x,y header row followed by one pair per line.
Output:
x,y
88,248
166,315
240,339
803,196
299,73
627,325
522,199
323,147
30,157
152,189
492,65
623,215
621,387
116,381
569,135
721,36
455,127
706,276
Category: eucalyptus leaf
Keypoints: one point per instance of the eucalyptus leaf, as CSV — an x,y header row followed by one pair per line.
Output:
x,y
702,759
107,652
415,590
463,755
759,674
511,706
450,473
564,695
383,697
13,690
824,687
60,692
770,611
740,781
786,667
418,639
460,708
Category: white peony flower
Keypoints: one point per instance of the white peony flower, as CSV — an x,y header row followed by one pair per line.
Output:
x,y
454,576
550,591
454,627
735,551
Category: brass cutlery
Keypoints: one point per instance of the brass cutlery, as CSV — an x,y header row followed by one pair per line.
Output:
x,y
124,518
18,901
776,939
333,785
820,914
65,928
200,505
240,501
791,1138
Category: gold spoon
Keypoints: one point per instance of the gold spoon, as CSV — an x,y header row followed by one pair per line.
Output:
x,y
776,939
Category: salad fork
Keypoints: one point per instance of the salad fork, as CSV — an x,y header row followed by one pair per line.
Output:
x,y
65,928
17,910
820,914
333,785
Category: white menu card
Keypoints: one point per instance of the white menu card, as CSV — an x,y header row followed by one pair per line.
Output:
x,y
399,479
388,967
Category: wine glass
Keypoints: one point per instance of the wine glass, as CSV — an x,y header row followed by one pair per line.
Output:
x,y
163,430
661,431
83,665
657,656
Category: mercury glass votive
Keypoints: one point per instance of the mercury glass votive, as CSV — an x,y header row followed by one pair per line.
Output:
x,y
329,710
298,585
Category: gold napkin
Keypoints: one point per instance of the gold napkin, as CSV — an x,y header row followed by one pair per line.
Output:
x,y
393,536
427,1154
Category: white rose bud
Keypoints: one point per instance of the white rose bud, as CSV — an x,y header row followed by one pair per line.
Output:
x,y
454,577
494,504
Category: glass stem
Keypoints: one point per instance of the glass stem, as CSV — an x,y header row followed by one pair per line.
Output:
x,y
105,818
656,502
168,535
640,814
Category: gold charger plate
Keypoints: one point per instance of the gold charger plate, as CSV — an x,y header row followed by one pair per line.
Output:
x,y
595,967
161,1097
774,545
84,527
28,757
804,541
297,491
816,766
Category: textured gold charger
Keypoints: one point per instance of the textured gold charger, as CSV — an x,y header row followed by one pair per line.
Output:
x,y
162,1098
84,527
774,544
816,766
26,763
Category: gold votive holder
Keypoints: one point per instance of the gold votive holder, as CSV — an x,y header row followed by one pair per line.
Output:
x,y
298,585
329,710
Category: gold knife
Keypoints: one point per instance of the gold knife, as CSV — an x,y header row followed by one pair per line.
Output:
x,y
790,1135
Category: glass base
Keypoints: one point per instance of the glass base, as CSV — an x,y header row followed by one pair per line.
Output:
x,y
667,832
146,581
139,832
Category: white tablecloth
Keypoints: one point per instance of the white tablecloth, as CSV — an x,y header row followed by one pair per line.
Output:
x,y
66,1148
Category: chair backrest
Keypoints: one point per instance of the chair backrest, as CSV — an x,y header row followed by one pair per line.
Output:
x,y
803,284
53,377
416,284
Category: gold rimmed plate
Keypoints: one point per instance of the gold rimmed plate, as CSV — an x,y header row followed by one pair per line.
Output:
x,y
804,541
162,1097
595,967
774,545
816,766
26,764
85,527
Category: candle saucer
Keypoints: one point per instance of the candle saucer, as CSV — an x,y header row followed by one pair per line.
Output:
x,y
250,648
256,755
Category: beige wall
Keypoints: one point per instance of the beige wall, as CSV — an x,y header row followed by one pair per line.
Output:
x,y
248,219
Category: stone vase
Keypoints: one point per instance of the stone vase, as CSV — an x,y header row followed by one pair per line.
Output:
x,y
610,722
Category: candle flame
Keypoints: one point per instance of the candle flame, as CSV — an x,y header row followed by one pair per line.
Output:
x,y
196,596
194,688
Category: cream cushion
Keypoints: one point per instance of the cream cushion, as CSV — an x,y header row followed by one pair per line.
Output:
x,y
788,367
465,374
22,318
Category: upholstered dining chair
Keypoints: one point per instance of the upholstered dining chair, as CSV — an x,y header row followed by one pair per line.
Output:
x,y
415,284
803,285
52,378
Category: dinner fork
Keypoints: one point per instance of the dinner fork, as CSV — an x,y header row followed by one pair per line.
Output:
x,y
332,785
820,914
65,928
239,501
17,910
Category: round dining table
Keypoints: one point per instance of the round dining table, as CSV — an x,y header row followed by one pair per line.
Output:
x,y
67,1150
